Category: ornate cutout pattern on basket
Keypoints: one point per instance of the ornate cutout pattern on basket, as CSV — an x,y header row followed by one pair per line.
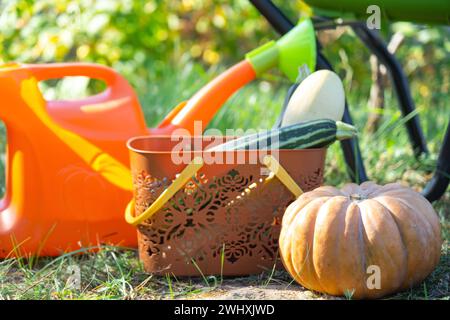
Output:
x,y
235,215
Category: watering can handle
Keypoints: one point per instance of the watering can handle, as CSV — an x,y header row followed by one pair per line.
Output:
x,y
118,96
191,169
44,72
117,86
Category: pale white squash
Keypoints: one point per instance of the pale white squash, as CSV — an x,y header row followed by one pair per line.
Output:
x,y
320,96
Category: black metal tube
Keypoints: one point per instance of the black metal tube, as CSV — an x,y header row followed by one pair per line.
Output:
x,y
350,148
274,16
437,186
406,103
443,163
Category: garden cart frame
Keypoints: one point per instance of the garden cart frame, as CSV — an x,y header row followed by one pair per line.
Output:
x,y
437,186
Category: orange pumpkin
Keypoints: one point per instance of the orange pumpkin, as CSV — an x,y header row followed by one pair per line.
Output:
x,y
367,239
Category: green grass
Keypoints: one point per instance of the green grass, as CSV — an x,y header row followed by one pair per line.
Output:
x,y
116,273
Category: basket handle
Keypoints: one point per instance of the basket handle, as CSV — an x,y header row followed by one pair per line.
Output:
x,y
269,161
273,165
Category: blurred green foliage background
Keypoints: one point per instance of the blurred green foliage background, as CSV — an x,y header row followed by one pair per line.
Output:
x,y
138,38
141,38
169,49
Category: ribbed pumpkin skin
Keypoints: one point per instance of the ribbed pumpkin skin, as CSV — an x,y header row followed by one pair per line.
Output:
x,y
328,239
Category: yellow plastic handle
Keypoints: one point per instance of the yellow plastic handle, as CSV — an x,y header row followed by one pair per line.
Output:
x,y
269,161
165,196
273,165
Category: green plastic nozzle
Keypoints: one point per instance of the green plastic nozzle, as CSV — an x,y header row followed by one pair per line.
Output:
x,y
295,49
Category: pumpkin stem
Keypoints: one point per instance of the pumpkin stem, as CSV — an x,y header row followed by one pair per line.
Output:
x,y
356,197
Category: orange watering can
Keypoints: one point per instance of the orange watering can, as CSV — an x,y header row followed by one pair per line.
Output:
x,y
67,174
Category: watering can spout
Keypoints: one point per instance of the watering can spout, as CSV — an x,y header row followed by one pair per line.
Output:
x,y
202,107
289,53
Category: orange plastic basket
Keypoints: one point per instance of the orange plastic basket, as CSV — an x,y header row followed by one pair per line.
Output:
x,y
213,218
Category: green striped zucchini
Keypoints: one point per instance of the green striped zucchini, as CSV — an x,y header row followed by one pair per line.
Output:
x,y
304,135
